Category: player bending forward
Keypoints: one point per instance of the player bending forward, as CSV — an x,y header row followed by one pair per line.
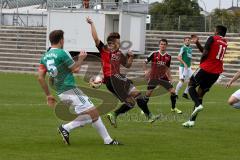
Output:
x,y
112,58
211,66
59,64
234,99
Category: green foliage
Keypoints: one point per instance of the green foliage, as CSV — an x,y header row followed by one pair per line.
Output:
x,y
231,19
173,15
176,7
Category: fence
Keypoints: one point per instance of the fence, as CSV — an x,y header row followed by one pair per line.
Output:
x,y
192,23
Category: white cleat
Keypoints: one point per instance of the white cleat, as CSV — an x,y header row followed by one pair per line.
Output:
x,y
197,110
188,124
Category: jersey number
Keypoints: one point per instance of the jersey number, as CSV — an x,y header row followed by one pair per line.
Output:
x,y
221,52
52,68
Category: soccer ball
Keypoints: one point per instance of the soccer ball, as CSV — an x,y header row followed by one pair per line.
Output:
x,y
95,81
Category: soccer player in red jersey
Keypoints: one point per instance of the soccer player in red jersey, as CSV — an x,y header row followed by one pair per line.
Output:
x,y
211,66
160,73
112,58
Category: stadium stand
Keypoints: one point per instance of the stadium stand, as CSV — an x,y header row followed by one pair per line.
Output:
x,y
21,49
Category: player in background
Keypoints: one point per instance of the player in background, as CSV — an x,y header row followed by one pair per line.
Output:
x,y
160,73
112,58
211,66
185,70
59,64
234,99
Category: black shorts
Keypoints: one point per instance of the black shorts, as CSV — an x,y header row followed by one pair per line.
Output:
x,y
119,85
153,83
203,79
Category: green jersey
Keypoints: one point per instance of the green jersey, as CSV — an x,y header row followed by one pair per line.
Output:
x,y
58,63
186,53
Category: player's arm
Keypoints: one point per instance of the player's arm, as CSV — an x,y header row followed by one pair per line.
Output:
x,y
168,72
42,81
128,60
179,57
147,60
195,40
94,31
235,77
207,48
77,65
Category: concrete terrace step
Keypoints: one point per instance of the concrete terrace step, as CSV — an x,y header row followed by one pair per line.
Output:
x,y
19,64
22,31
22,55
19,59
17,69
41,44
14,46
22,39
19,51
25,35
188,33
22,28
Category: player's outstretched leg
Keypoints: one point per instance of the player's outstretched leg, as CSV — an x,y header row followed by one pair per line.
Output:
x,y
112,116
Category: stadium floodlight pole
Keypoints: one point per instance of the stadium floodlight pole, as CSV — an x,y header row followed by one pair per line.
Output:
x,y
219,4
205,16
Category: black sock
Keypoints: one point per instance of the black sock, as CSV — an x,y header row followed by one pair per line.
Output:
x,y
194,95
123,109
142,103
195,117
173,100
200,100
146,99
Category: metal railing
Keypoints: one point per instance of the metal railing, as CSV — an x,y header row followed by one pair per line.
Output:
x,y
192,23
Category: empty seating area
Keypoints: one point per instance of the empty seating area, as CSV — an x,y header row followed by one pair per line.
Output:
x,y
22,47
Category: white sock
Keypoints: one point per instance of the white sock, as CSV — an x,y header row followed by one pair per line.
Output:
x,y
80,121
179,85
186,90
102,130
236,105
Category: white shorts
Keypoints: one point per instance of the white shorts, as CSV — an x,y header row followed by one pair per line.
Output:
x,y
185,73
236,94
77,100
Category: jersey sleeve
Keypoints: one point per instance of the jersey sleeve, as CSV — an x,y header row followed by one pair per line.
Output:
x,y
209,42
67,59
42,66
168,64
100,46
149,58
181,51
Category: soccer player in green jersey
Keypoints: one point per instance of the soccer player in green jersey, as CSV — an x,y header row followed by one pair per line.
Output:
x,y
185,70
60,66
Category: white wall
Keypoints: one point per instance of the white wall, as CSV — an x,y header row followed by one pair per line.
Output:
x,y
77,30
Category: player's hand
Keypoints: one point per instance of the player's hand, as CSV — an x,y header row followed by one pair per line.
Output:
x,y
185,66
130,54
82,55
51,101
194,38
146,74
89,20
229,84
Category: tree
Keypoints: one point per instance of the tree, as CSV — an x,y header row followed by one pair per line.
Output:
x,y
174,15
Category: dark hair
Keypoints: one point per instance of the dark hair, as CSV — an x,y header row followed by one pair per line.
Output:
x,y
112,37
55,36
186,38
163,40
221,30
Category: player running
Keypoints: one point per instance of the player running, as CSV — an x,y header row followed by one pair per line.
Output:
x,y
234,99
59,64
185,70
160,73
211,66
112,58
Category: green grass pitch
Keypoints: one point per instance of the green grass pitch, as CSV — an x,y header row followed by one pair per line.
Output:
x,y
28,129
